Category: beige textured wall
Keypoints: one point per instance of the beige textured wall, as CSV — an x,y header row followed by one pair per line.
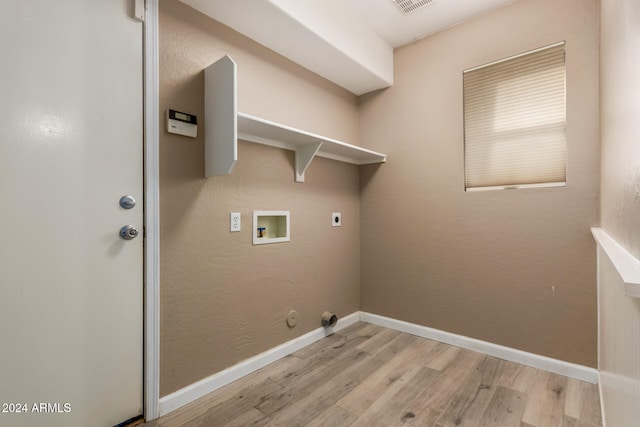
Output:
x,y
222,299
619,361
483,264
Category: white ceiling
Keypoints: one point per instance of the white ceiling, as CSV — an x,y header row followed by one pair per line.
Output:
x,y
349,42
386,18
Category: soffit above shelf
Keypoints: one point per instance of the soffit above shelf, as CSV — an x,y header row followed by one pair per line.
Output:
x,y
316,35
348,42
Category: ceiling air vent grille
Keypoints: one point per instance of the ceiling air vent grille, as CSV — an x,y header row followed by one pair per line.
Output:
x,y
408,6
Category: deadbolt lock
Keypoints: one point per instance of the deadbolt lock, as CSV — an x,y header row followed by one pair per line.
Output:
x,y
127,202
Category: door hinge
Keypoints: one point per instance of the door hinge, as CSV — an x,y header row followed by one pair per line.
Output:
x,y
139,9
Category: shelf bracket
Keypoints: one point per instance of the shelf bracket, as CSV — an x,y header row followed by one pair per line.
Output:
x,y
304,155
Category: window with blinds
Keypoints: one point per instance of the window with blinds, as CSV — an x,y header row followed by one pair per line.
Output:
x,y
514,121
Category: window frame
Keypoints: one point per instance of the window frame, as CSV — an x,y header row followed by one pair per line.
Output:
x,y
524,130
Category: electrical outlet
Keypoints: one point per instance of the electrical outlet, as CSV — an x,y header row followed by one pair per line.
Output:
x,y
336,219
234,221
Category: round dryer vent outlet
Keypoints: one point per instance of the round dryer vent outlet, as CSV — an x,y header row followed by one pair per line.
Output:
x,y
292,318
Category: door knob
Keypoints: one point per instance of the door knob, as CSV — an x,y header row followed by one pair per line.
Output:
x,y
128,232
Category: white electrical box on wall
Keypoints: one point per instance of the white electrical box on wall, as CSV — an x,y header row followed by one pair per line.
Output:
x,y
182,123
336,219
271,227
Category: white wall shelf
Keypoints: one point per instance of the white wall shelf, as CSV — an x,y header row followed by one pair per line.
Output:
x,y
627,265
224,125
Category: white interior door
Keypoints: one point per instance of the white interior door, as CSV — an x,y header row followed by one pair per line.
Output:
x,y
71,289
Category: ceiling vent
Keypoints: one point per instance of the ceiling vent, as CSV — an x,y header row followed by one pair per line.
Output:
x,y
408,6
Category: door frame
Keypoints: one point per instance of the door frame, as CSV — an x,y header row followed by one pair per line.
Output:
x,y
151,213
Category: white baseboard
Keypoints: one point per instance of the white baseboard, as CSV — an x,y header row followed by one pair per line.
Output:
x,y
205,386
579,372
604,418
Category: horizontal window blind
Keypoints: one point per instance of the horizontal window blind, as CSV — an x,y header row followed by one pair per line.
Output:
x,y
514,121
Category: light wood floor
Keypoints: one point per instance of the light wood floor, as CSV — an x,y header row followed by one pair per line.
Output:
x,y
370,376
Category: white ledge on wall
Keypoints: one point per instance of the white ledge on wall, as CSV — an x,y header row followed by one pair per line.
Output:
x,y
626,264
306,145
224,125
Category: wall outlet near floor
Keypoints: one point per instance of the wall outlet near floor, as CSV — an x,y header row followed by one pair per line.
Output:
x,y
336,219
234,221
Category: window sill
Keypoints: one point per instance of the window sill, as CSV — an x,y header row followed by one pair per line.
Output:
x,y
517,187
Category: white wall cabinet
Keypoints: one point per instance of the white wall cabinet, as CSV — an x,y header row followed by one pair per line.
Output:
x,y
224,125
